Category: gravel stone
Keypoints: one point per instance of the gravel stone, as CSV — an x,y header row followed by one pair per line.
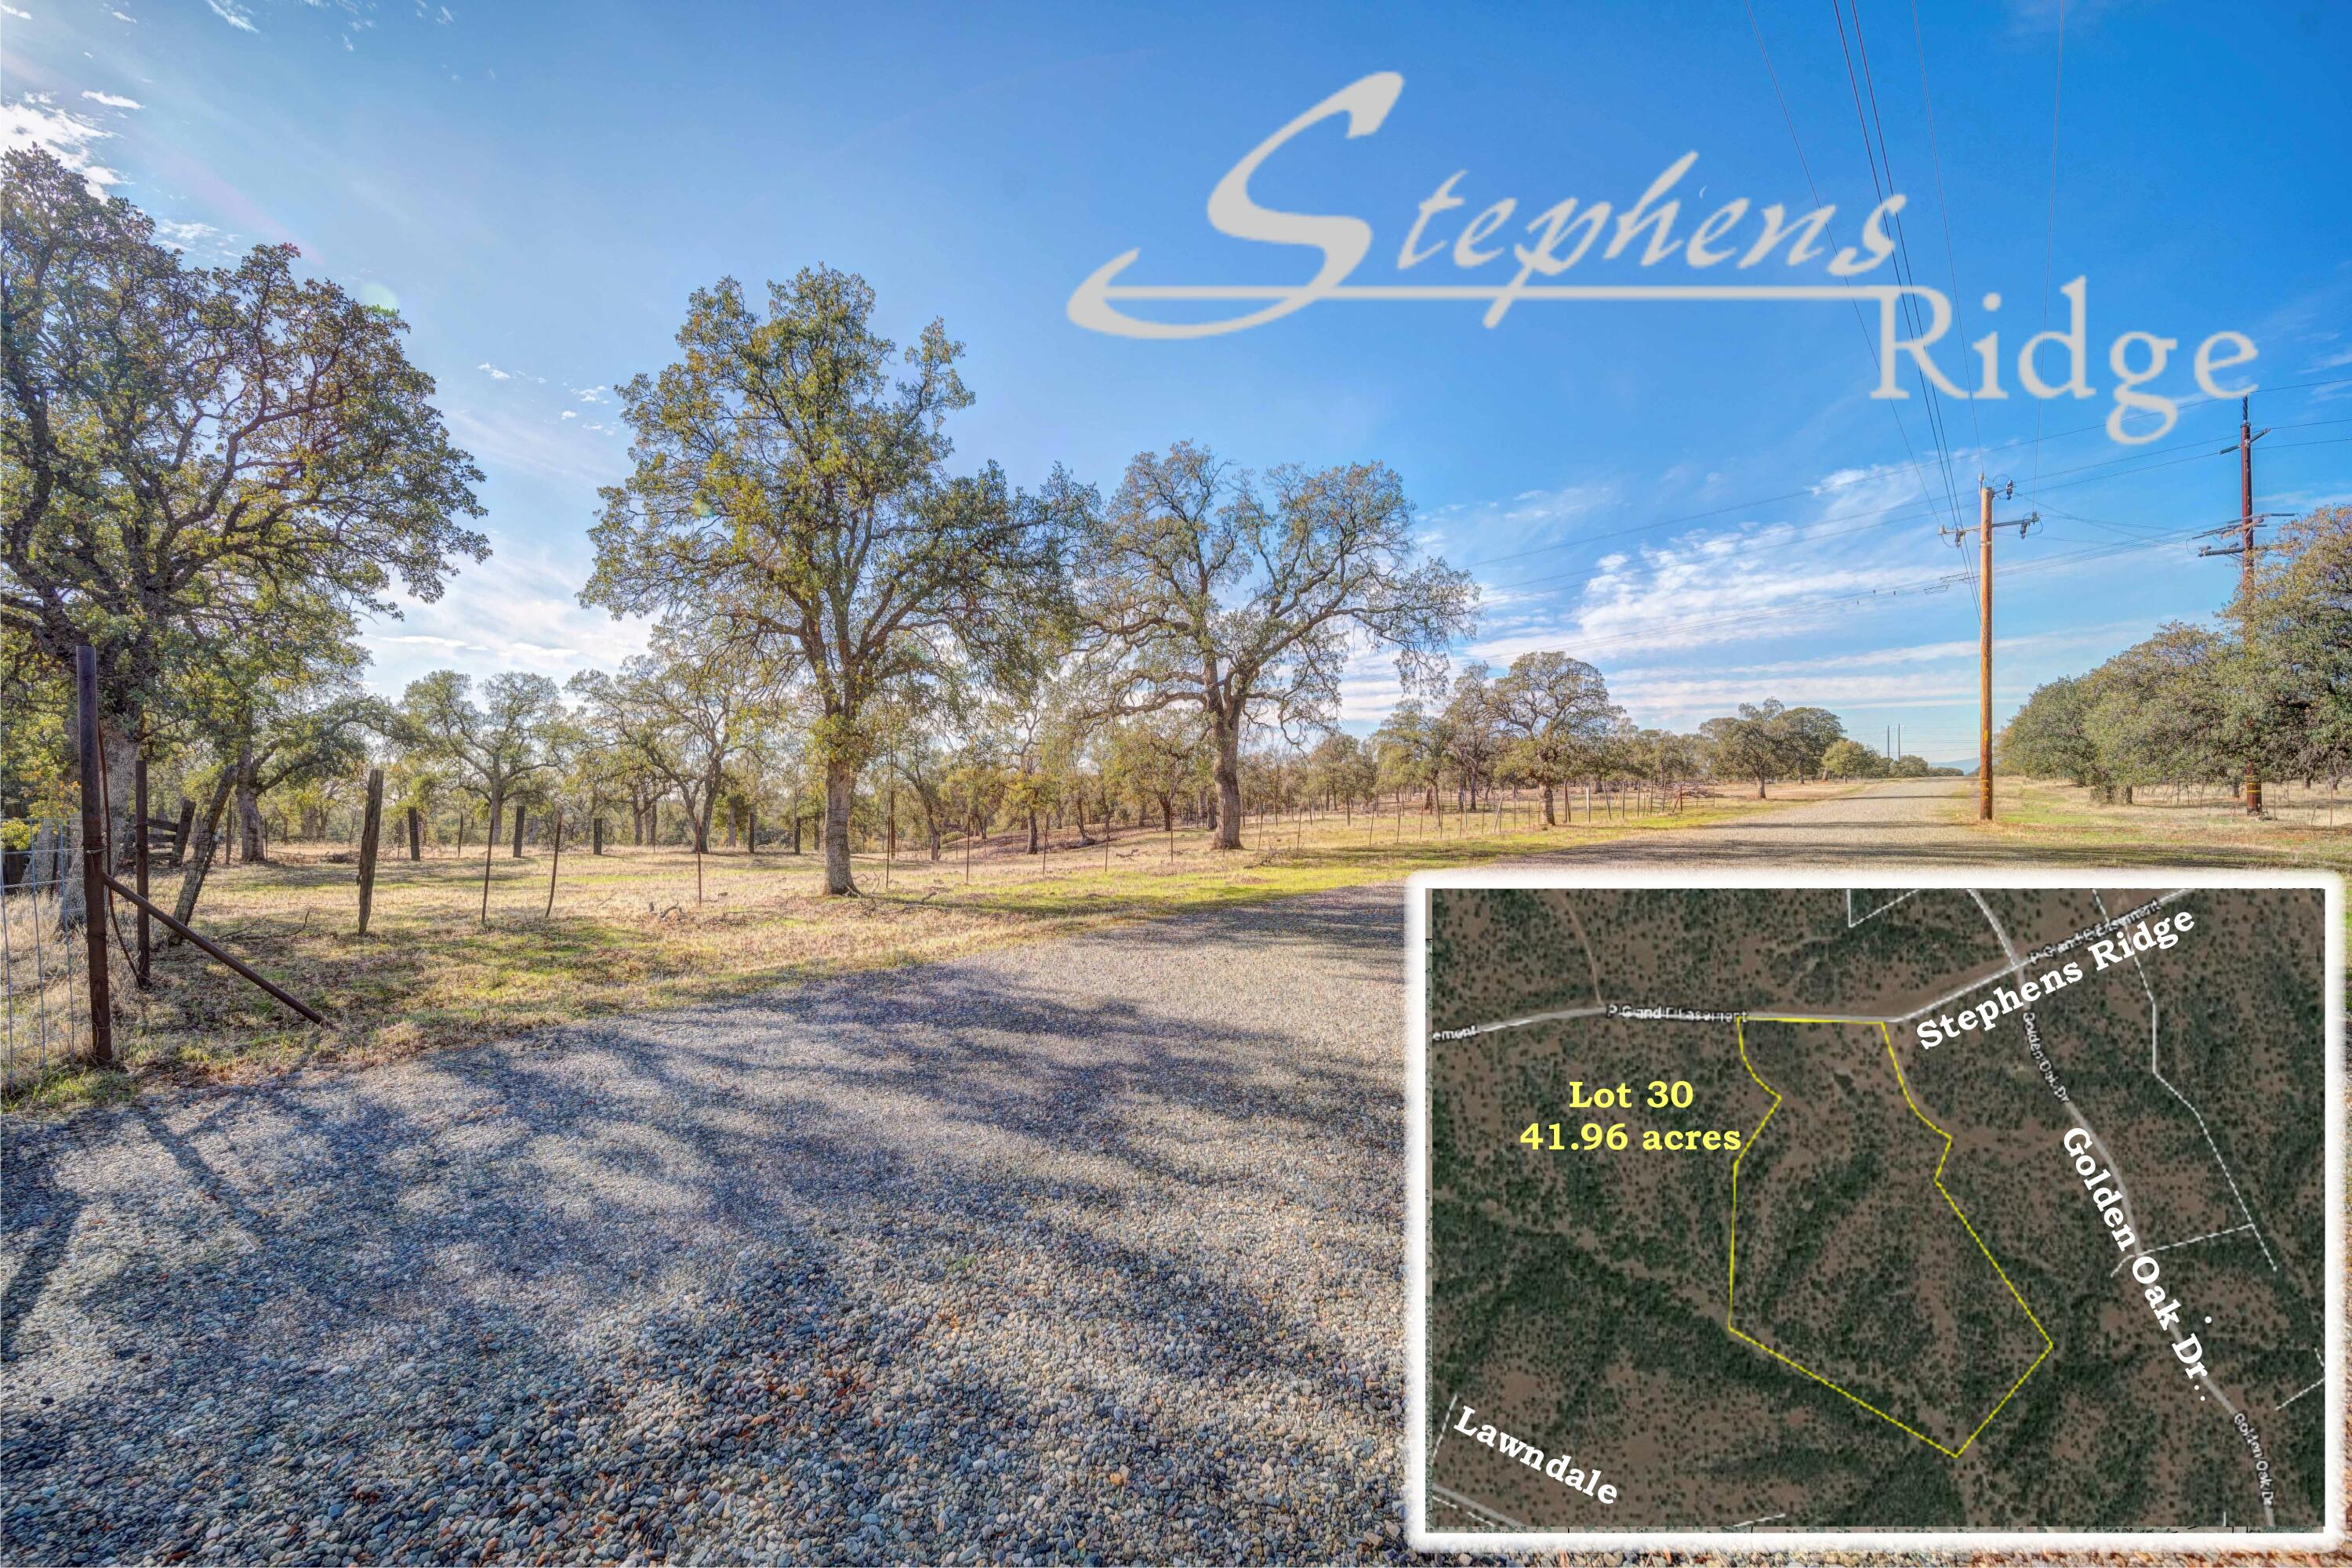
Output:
x,y
1089,1250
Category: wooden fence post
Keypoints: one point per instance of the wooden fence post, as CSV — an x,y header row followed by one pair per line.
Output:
x,y
596,835
93,855
553,861
518,832
370,837
415,834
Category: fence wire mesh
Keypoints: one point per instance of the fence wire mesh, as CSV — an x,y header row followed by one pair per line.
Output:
x,y
43,957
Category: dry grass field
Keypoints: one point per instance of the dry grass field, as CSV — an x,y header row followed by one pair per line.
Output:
x,y
636,929
2306,827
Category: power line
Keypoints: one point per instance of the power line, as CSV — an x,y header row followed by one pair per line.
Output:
x,y
2050,221
1802,162
1901,512
1943,206
1905,271
1914,587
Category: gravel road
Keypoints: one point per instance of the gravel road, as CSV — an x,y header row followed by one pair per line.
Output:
x,y
1086,1249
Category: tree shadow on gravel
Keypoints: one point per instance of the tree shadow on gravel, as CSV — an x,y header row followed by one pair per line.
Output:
x,y
881,1261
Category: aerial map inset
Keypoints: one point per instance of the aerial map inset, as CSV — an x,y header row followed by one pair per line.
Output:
x,y
1816,1209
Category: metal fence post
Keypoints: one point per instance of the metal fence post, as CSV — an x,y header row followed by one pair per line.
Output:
x,y
93,854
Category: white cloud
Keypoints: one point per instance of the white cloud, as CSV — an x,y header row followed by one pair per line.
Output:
x,y
518,610
2335,360
494,373
121,16
589,394
34,121
200,239
234,14
567,414
1528,511
20,15
112,101
1729,584
526,442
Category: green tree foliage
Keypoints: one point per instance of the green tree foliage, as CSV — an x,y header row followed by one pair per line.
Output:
x,y
188,448
687,708
1158,756
494,749
2046,739
1408,750
1849,759
1554,715
2289,697
1194,589
2157,708
783,481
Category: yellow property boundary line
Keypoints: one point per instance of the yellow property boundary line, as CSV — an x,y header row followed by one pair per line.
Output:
x,y
1732,1279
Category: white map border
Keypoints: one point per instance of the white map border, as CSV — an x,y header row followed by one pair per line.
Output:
x,y
1422,1537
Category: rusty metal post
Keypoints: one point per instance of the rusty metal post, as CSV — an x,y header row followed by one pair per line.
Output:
x,y
139,863
95,908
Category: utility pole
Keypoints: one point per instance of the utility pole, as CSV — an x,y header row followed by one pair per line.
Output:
x,y
2245,549
1984,532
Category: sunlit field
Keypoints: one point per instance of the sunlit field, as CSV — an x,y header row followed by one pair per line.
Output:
x,y
560,939
2164,822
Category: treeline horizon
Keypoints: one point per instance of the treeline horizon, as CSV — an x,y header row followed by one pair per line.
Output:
x,y
213,475
2265,694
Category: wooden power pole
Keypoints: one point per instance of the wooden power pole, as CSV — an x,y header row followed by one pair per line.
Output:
x,y
2244,550
1984,532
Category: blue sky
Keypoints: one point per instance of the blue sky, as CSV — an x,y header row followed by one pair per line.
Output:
x,y
1701,497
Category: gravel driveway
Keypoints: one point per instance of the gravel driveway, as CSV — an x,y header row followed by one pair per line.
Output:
x,y
1088,1248
1082,1249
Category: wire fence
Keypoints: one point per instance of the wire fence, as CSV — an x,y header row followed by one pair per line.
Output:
x,y
44,956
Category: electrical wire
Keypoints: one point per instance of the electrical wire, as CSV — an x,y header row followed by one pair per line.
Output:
x,y
1805,164
2050,222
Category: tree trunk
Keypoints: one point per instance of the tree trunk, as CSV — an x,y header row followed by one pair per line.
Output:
x,y
197,857
515,849
249,810
415,834
1549,820
180,838
497,810
1228,733
1033,830
840,780
119,756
